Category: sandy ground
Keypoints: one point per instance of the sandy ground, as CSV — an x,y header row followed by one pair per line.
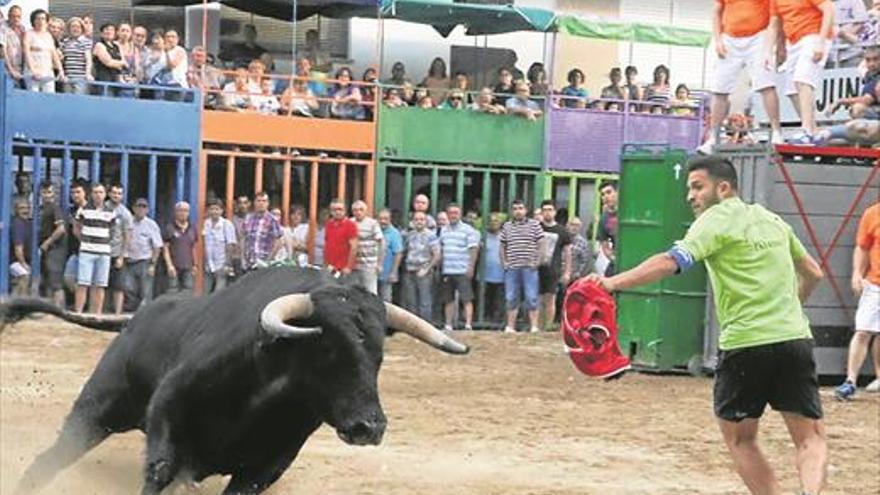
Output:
x,y
513,417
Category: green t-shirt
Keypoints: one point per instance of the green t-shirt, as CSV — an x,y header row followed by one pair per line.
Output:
x,y
750,254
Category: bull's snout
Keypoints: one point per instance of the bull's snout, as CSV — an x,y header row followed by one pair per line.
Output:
x,y
363,432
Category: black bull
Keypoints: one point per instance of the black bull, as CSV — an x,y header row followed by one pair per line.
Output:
x,y
233,383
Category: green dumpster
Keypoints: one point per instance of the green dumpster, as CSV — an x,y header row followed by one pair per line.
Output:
x,y
661,324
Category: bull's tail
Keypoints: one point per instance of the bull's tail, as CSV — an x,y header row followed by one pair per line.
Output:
x,y
14,310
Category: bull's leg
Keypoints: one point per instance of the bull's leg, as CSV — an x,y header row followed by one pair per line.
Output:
x,y
163,460
79,434
255,480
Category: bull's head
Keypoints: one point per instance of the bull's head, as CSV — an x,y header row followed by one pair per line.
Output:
x,y
347,326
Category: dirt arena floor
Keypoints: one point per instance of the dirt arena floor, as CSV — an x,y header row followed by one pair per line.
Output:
x,y
513,417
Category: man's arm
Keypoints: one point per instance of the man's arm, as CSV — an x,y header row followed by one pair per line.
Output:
x,y
352,254
772,41
809,275
656,267
824,40
503,252
56,234
169,263
380,246
718,12
566,263
860,268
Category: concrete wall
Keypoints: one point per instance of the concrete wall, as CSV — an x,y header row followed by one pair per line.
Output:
x,y
594,57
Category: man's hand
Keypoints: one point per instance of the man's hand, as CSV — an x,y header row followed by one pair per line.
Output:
x,y
44,246
151,270
858,285
345,271
172,272
422,272
118,263
566,278
720,48
818,51
393,278
470,273
603,282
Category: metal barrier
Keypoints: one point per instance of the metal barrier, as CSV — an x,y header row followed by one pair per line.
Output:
x,y
579,191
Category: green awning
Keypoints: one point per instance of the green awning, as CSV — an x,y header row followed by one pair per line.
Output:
x,y
478,19
625,31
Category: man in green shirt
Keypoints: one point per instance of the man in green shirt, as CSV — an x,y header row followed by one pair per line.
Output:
x,y
760,274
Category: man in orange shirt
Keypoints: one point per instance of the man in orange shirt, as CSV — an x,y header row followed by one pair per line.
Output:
x,y
740,28
865,283
808,28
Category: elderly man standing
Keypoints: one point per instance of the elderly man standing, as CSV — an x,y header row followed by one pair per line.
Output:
x,y
143,252
180,250
120,237
371,247
422,255
262,234
422,203
460,244
393,256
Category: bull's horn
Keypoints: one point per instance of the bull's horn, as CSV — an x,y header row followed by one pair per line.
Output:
x,y
289,307
403,321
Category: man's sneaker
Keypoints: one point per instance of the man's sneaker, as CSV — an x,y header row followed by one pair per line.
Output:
x,y
776,138
468,328
707,147
846,391
447,328
802,139
509,330
874,386
534,330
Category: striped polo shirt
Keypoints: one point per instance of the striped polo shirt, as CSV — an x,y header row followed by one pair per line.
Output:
x,y
456,241
75,51
519,239
96,225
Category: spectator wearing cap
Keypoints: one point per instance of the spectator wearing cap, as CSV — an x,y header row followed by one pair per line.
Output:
x,y
143,252
521,105
94,223
575,93
390,274
180,250
77,58
220,242
460,245
41,59
371,247
13,33
20,269
120,237
53,245
262,234
521,238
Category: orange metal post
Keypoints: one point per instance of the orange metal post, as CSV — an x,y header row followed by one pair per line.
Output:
x,y
230,185
340,182
313,208
285,193
258,176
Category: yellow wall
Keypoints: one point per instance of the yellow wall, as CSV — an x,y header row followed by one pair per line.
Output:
x,y
594,57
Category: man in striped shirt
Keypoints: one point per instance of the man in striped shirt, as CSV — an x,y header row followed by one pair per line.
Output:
x,y
93,225
460,244
520,251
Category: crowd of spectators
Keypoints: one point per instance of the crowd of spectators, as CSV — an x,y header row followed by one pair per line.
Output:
x,y
432,266
863,126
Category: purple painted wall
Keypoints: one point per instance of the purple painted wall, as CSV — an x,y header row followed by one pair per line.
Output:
x,y
590,140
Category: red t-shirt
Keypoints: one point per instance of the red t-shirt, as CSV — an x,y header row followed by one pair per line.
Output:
x,y
337,237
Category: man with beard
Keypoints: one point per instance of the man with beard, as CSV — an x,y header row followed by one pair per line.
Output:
x,y
760,274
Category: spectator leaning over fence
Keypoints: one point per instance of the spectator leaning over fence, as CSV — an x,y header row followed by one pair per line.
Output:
x,y
493,270
340,240
390,274
740,29
422,255
20,269
77,58
576,94
460,245
107,61
299,100
143,252
346,97
607,233
41,59
179,252
93,226
521,238
582,256
220,241
865,286
761,275
555,267
262,234
504,88
14,53
521,105
120,237
485,103
53,244
371,247
77,201
808,27
865,104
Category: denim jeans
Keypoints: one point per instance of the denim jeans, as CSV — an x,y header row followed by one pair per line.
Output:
x,y
139,281
182,283
386,290
418,294
215,281
368,279
518,281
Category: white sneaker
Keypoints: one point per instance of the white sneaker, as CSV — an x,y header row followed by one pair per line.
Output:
x,y
874,386
447,328
534,330
776,138
509,330
707,147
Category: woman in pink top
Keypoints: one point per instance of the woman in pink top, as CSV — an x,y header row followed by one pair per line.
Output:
x,y
40,57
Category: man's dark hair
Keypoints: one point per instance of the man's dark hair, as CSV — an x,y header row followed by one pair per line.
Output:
x,y
453,204
117,185
214,202
517,201
631,69
548,202
717,167
105,26
612,185
97,184
46,185
78,184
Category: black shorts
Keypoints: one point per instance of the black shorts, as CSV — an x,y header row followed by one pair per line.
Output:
x,y
782,375
548,279
53,267
117,276
459,283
